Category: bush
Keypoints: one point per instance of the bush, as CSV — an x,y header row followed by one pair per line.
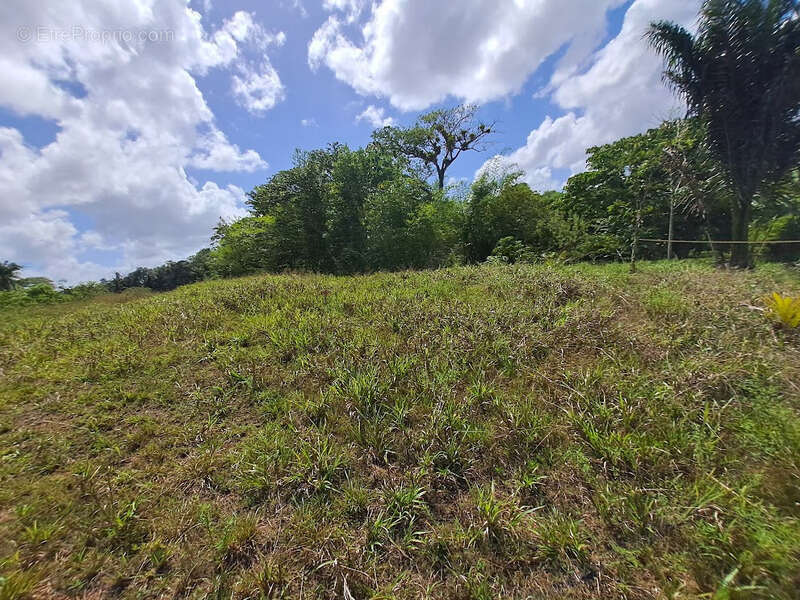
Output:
x,y
510,250
508,210
45,293
786,227
40,293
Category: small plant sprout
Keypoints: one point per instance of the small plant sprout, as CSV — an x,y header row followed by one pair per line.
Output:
x,y
499,516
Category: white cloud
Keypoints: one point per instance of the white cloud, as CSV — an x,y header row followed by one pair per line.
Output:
x,y
123,146
258,90
308,122
375,116
417,52
352,8
256,87
299,7
619,94
213,151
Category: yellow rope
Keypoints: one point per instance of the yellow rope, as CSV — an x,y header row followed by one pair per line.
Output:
x,y
719,241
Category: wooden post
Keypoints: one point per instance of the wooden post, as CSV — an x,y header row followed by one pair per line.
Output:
x,y
671,225
635,244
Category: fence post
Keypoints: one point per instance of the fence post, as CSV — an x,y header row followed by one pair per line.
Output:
x,y
635,244
671,226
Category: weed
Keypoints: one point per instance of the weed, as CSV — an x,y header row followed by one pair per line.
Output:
x,y
158,555
406,503
234,541
318,467
784,310
499,517
17,585
355,500
266,580
37,534
399,523
663,302
530,482
562,540
481,393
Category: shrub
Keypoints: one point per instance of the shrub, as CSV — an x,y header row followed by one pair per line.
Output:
x,y
786,227
510,250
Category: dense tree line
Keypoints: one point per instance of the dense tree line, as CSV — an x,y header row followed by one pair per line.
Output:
x,y
339,210
342,210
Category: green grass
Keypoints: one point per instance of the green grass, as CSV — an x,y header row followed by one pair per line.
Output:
x,y
477,432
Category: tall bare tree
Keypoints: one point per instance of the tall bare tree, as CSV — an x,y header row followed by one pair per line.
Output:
x,y
437,139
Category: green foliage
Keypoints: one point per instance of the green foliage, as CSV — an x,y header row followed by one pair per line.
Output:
x,y
741,75
297,199
343,211
17,585
501,208
244,246
319,209
785,227
35,293
510,250
664,302
169,275
408,226
563,541
634,180
499,517
8,275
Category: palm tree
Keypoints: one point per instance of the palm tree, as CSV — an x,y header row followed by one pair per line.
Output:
x,y
8,274
741,75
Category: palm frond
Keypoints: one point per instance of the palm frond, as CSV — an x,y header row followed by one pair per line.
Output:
x,y
682,66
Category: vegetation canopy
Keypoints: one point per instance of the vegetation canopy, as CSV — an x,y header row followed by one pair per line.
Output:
x,y
741,75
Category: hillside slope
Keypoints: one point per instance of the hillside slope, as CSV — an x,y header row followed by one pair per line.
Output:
x,y
570,432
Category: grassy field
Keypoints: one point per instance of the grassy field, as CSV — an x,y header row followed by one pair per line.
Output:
x,y
478,432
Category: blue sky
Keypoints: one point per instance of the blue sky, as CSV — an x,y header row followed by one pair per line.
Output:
x,y
122,151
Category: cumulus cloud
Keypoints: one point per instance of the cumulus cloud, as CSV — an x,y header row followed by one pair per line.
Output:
x,y
417,52
299,7
375,116
258,90
213,151
352,8
123,145
257,86
619,94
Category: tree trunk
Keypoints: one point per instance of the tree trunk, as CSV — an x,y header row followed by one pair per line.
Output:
x,y
740,232
441,178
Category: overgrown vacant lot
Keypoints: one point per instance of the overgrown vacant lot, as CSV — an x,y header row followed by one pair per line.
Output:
x,y
487,432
